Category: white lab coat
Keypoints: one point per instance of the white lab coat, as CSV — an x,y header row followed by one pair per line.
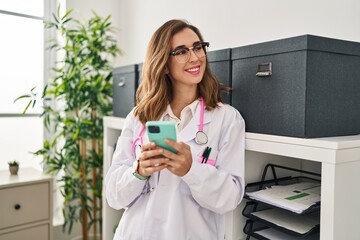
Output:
x,y
181,208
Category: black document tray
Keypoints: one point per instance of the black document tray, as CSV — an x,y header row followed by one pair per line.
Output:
x,y
252,207
252,229
256,186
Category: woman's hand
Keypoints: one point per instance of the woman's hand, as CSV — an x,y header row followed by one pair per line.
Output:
x,y
180,162
153,159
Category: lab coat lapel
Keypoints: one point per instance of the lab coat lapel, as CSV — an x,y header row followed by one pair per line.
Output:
x,y
189,132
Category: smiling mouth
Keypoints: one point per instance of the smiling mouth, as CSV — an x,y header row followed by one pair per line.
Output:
x,y
193,70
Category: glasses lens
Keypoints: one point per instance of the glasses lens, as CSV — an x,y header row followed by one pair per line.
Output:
x,y
200,50
182,55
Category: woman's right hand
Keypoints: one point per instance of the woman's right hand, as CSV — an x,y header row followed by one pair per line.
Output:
x,y
151,159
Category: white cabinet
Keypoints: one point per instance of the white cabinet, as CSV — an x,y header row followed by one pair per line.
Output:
x,y
111,217
25,205
336,158
339,161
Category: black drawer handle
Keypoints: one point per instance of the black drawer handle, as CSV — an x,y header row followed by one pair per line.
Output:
x,y
17,206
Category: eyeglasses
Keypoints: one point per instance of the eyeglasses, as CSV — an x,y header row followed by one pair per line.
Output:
x,y
182,55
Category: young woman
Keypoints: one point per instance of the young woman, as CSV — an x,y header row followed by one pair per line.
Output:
x,y
182,195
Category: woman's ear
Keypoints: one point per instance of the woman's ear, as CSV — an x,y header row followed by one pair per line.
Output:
x,y
166,70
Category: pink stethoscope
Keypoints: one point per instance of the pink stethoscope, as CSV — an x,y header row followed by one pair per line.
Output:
x,y
200,137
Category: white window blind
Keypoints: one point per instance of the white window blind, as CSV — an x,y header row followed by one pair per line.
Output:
x,y
22,68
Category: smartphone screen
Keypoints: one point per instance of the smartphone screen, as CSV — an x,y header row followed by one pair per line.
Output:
x,y
158,131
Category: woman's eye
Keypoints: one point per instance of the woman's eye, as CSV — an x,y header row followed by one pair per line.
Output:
x,y
181,52
198,47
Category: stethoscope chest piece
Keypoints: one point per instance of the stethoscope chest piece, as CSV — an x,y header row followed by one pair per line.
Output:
x,y
201,138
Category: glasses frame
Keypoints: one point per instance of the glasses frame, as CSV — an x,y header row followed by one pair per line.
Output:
x,y
204,45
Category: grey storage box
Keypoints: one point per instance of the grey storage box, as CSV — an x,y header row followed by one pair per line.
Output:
x,y
125,83
140,66
311,90
220,65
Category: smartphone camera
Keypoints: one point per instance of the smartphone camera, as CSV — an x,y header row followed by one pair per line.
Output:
x,y
154,129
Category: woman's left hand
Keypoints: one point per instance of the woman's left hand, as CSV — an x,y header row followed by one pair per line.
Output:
x,y
180,162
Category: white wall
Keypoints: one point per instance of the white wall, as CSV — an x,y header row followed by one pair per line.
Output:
x,y
83,11
226,23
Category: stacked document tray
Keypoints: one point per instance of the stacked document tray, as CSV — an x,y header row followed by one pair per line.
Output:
x,y
283,208
258,230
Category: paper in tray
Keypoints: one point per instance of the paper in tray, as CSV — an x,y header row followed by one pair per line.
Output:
x,y
285,221
297,197
273,234
300,224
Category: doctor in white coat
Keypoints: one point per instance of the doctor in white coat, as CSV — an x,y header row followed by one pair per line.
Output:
x,y
183,195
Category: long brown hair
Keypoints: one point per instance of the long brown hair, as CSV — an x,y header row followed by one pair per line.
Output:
x,y
155,90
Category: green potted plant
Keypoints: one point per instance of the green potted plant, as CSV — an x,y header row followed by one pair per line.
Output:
x,y
74,102
13,167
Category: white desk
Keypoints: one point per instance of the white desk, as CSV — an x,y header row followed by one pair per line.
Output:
x,y
26,205
339,158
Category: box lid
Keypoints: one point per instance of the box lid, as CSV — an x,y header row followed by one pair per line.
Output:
x,y
125,69
299,43
219,55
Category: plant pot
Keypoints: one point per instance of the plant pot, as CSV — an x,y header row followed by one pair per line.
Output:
x,y
13,170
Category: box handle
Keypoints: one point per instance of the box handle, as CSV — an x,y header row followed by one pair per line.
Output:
x,y
264,69
121,82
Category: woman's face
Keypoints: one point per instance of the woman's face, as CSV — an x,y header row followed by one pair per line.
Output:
x,y
191,72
